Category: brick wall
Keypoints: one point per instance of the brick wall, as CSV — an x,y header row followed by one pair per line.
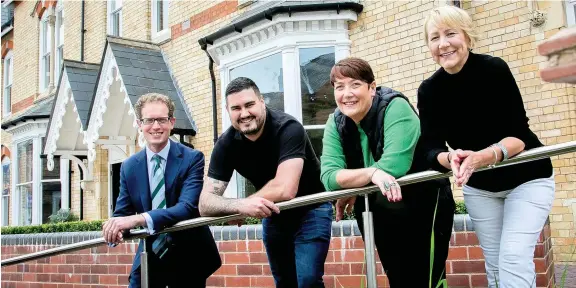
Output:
x,y
245,262
136,20
75,189
26,53
95,25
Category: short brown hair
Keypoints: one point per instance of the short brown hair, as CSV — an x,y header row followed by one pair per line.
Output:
x,y
153,97
354,68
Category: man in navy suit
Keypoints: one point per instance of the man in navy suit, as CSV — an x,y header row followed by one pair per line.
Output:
x,y
160,186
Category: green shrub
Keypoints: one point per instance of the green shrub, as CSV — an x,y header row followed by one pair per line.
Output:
x,y
57,227
63,215
460,207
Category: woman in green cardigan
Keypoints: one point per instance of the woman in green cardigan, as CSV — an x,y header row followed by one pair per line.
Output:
x,y
372,138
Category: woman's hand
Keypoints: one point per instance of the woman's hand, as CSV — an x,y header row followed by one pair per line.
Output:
x,y
472,161
341,207
387,185
456,158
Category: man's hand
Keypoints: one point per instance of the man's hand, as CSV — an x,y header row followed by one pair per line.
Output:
x,y
341,207
257,207
113,228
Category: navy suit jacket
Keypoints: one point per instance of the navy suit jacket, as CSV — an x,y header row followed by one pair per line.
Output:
x,y
183,184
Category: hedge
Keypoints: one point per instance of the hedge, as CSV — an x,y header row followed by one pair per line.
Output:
x,y
96,225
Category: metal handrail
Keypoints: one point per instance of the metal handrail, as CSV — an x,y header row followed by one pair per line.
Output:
x,y
526,156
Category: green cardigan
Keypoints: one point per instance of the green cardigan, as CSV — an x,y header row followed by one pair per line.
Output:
x,y
401,133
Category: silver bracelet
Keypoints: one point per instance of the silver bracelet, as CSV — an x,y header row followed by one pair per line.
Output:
x,y
495,157
504,151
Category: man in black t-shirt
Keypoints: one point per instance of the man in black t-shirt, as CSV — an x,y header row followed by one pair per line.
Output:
x,y
272,150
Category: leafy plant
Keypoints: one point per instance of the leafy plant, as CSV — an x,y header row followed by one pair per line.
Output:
x,y
63,215
57,227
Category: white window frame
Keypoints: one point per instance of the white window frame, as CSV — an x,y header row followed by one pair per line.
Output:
x,y
114,7
164,34
59,57
16,193
5,216
570,13
45,52
288,44
8,81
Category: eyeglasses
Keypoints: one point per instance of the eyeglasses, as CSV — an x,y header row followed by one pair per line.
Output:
x,y
150,121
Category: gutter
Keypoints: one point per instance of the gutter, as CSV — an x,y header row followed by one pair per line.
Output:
x,y
22,119
270,12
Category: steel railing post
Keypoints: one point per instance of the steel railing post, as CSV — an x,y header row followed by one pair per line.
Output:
x,y
369,251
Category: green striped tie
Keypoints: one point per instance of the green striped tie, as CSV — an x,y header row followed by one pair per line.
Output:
x,y
158,197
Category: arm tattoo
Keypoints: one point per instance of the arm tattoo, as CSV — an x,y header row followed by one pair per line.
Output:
x,y
212,203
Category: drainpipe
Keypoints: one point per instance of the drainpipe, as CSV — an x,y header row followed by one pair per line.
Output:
x,y
70,172
213,81
81,195
82,31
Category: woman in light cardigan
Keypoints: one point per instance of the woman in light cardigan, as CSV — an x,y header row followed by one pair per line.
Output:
x,y
473,104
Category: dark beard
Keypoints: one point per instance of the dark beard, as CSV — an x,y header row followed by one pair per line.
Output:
x,y
259,124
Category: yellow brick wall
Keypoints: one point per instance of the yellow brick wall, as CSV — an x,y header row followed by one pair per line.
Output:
x,y
26,52
190,67
94,24
75,189
136,19
96,199
389,35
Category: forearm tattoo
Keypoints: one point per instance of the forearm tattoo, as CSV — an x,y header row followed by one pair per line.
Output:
x,y
211,200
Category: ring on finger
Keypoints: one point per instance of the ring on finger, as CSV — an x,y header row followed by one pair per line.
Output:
x,y
386,186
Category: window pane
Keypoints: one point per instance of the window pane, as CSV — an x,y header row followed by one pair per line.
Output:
x,y
7,99
50,199
116,23
44,37
50,175
46,70
5,179
5,210
7,75
316,136
25,161
25,192
267,74
60,28
159,15
317,92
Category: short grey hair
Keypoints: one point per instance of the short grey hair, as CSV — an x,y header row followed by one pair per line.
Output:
x,y
153,97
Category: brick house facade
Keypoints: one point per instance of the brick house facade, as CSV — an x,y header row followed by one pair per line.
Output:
x,y
237,35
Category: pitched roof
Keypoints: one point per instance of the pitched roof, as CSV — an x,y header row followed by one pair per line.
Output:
x,y
82,78
40,110
144,70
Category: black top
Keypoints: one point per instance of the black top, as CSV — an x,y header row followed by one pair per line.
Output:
x,y
283,138
473,109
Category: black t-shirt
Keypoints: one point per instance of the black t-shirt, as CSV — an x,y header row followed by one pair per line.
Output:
x,y
283,138
473,109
